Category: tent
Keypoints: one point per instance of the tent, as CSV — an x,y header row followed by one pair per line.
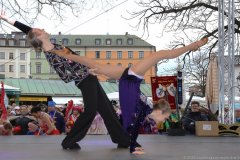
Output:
x,y
11,90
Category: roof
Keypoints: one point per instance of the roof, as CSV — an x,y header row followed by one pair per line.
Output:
x,y
44,87
89,40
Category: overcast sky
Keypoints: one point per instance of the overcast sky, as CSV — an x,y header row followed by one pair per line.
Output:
x,y
112,22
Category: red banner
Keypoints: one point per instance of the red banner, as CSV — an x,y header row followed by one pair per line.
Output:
x,y
2,105
164,87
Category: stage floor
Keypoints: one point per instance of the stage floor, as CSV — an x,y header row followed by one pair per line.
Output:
x,y
100,147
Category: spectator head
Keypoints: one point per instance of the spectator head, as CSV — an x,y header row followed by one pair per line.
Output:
x,y
162,110
24,109
12,113
7,126
51,106
17,109
76,110
32,127
195,106
36,111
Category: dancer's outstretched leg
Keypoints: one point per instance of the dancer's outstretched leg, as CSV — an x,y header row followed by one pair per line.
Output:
x,y
141,67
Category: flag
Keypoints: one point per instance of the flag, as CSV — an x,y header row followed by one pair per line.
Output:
x,y
69,109
2,104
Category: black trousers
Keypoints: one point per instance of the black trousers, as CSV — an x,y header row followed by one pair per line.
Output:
x,y
96,100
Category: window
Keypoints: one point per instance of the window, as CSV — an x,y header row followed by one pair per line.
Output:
x,y
97,54
11,55
129,64
119,64
11,42
78,52
108,41
2,42
108,54
38,55
97,41
130,54
141,54
65,41
22,56
2,68
52,70
22,42
38,68
119,54
53,40
22,68
2,55
78,41
119,41
11,68
130,41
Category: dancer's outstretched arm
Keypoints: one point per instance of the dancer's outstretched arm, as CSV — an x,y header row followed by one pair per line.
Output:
x,y
139,68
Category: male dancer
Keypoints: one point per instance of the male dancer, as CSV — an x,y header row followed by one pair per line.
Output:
x,y
94,97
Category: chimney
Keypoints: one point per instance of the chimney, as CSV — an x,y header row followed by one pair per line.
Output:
x,y
59,33
126,33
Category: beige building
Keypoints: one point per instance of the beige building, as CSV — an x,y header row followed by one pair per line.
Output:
x,y
19,60
124,50
14,55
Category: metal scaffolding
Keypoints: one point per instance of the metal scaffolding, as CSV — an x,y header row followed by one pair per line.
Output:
x,y
226,62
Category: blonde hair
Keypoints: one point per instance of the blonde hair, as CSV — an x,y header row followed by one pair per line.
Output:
x,y
162,105
34,41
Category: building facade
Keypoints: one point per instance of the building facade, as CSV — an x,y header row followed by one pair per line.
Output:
x,y
14,55
19,60
123,50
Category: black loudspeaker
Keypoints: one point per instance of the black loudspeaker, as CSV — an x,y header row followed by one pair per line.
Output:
x,y
176,132
175,129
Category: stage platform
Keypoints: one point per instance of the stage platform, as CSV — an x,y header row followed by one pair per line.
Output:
x,y
100,147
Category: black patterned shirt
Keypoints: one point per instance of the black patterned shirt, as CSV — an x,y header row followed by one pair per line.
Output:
x,y
67,70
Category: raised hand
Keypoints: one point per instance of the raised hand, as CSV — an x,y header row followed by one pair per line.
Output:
x,y
3,16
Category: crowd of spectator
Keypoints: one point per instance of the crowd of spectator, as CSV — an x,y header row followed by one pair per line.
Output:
x,y
27,120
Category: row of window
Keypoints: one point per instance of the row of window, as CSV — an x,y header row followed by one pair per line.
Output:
x,y
11,68
98,41
11,56
12,42
119,54
23,68
108,54
38,68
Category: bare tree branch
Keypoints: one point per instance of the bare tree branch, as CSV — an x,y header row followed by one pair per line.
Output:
x,y
29,10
